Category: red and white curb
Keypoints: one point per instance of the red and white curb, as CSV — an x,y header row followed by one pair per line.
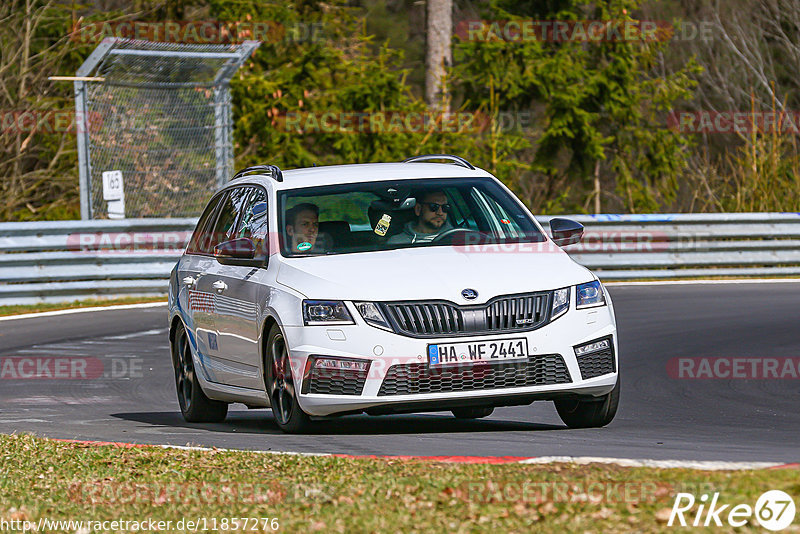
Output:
x,y
496,460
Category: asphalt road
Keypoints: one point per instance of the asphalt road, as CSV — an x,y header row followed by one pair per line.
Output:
x,y
660,417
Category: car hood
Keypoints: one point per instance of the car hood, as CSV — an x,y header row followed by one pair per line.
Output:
x,y
432,273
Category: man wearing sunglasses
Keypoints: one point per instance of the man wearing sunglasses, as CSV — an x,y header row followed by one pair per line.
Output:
x,y
431,211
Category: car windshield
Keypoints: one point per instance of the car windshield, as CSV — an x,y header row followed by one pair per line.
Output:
x,y
371,216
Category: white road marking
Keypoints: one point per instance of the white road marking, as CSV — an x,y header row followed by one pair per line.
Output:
x,y
152,332
664,464
23,421
211,449
707,282
83,310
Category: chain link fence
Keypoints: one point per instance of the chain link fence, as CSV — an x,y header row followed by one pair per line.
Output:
x,y
160,113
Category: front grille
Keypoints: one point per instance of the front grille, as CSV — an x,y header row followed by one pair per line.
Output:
x,y
512,313
418,378
335,382
597,363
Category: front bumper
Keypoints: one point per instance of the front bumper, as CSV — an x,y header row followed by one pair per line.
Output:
x,y
386,349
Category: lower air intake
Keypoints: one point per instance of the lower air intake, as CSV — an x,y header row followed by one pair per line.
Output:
x,y
597,363
419,378
336,382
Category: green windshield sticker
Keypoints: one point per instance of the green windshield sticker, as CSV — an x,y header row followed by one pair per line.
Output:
x,y
305,245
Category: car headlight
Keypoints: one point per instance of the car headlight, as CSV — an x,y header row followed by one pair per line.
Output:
x,y
325,312
560,302
373,315
589,295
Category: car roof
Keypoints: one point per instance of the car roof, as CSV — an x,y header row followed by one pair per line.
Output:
x,y
362,172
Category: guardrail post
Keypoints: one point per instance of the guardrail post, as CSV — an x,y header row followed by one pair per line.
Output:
x,y
82,134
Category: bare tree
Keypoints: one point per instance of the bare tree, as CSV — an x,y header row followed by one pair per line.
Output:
x,y
439,53
748,50
31,146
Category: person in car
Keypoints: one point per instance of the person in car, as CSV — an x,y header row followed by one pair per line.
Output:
x,y
431,212
302,228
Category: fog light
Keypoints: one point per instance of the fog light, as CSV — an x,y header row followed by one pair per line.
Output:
x,y
331,375
340,365
595,346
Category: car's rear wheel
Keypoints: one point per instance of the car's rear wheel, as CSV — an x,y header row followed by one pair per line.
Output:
x,y
589,413
473,412
195,406
280,385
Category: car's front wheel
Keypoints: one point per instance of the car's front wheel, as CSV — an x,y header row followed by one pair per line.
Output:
x,y
280,384
195,406
589,413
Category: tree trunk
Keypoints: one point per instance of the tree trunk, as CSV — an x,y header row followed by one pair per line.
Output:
x,y
597,190
438,55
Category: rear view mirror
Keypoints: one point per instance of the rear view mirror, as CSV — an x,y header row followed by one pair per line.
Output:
x,y
565,231
408,203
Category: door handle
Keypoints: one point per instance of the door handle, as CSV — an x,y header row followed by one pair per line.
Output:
x,y
189,281
220,286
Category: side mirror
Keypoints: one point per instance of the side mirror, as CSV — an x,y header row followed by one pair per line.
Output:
x,y
565,231
239,251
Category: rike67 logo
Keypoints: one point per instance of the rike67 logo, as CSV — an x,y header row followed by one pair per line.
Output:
x,y
774,510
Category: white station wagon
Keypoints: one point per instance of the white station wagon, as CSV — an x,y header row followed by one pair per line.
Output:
x,y
421,286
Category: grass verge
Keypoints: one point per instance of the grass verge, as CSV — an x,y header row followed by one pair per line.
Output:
x,y
53,306
41,478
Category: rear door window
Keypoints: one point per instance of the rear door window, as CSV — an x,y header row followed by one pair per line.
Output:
x,y
198,244
229,212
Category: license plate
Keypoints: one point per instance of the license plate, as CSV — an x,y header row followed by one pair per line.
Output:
x,y
478,351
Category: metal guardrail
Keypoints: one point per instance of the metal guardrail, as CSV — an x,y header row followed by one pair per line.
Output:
x,y
674,246
59,261
69,260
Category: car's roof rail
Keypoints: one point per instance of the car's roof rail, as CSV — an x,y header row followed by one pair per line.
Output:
x,y
272,170
453,159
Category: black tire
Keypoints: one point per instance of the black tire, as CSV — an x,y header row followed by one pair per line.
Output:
x,y
473,412
195,406
589,413
279,384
